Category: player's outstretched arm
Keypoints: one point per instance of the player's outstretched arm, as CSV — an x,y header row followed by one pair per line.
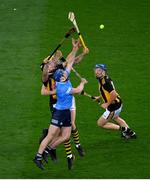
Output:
x,y
79,88
71,57
81,56
45,73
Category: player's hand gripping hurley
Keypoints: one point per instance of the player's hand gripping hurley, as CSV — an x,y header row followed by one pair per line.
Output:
x,y
67,35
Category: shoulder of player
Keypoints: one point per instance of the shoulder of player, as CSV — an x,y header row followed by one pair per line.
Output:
x,y
64,82
105,80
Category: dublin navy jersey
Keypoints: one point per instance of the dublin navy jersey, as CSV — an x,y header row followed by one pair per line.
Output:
x,y
64,98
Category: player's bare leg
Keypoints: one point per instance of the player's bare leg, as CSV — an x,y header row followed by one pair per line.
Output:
x,y
65,135
49,151
51,134
102,122
121,121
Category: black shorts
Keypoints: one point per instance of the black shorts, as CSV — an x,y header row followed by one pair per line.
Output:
x,y
61,118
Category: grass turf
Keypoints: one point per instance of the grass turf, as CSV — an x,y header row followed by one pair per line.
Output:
x,y
29,34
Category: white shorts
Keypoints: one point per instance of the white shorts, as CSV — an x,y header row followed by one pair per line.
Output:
x,y
73,107
111,114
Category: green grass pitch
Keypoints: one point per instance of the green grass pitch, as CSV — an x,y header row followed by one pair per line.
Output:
x,y
30,33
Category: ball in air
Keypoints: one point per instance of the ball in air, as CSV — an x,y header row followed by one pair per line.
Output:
x,y
15,9
101,26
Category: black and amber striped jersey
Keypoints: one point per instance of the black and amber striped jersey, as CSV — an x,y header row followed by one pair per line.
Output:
x,y
106,86
51,85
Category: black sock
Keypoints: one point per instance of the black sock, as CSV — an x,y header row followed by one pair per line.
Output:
x,y
125,129
39,156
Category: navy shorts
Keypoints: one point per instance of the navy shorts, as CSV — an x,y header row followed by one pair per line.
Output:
x,y
61,118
